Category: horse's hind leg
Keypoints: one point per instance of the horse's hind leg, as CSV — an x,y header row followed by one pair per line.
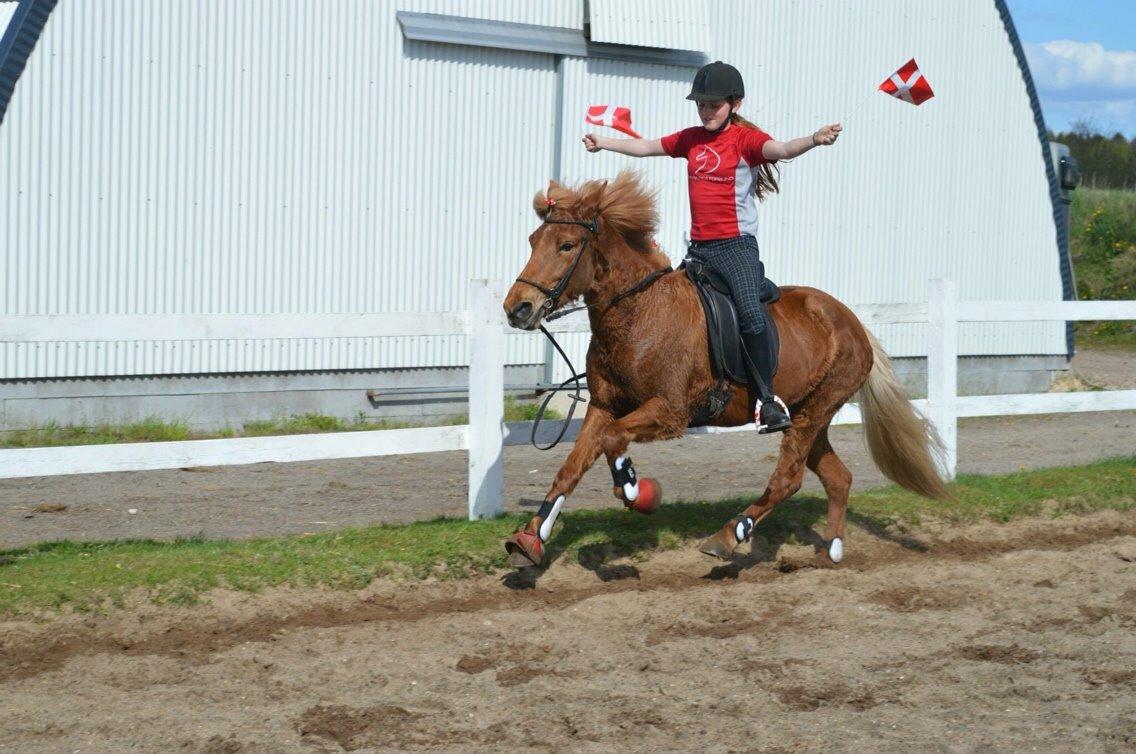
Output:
x,y
784,483
837,481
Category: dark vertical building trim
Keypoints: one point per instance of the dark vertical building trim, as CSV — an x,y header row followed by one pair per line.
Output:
x,y
16,46
1068,292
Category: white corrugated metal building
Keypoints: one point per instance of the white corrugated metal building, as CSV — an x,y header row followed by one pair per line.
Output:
x,y
374,155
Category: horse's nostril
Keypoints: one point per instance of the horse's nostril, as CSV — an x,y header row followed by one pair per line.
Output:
x,y
522,311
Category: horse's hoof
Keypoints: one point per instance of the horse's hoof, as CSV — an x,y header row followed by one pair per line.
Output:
x,y
721,545
649,497
524,549
836,550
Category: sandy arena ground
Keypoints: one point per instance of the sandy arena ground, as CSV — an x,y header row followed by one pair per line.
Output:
x,y
990,638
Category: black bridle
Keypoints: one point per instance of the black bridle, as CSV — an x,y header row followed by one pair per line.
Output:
x,y
552,295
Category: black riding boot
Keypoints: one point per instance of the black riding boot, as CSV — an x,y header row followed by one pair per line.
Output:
x,y
772,415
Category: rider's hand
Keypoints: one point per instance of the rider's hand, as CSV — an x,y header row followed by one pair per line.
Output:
x,y
590,143
826,135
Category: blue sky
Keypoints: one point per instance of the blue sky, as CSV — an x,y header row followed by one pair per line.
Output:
x,y
1082,55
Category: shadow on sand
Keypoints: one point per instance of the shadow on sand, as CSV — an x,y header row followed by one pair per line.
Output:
x,y
596,538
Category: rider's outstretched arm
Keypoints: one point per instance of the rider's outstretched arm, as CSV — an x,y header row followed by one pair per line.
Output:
x,y
632,147
787,150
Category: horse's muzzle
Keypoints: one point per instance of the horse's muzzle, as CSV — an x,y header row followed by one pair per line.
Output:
x,y
524,316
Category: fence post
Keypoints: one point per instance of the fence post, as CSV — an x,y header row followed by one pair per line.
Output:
x,y
486,400
942,370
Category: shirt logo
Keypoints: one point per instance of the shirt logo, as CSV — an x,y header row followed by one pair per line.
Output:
x,y
707,161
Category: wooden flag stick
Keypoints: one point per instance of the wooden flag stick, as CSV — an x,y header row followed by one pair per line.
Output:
x,y
858,106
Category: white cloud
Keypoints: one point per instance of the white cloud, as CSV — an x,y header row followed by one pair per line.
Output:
x,y
1105,116
1082,70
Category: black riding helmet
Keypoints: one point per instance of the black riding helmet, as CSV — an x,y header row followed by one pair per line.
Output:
x,y
715,81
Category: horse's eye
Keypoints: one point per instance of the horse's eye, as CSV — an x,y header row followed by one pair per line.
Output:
x,y
566,246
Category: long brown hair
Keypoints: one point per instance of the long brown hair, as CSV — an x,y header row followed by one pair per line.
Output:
x,y
767,175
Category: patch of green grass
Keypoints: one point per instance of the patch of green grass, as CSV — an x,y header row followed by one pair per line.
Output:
x,y
304,424
154,429
1102,243
1108,336
515,411
84,576
148,430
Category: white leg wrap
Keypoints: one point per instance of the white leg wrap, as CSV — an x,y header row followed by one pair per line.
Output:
x,y
743,528
630,490
836,550
546,525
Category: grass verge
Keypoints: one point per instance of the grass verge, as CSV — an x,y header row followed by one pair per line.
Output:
x,y
85,576
154,429
1102,242
1106,336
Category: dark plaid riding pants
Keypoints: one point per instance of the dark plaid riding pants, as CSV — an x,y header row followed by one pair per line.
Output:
x,y
737,260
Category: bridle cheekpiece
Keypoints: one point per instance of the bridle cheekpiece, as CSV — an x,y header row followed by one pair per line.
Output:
x,y
553,295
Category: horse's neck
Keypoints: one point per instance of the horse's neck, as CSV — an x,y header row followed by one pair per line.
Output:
x,y
627,267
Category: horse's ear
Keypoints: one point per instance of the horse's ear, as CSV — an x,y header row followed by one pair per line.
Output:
x,y
541,205
541,202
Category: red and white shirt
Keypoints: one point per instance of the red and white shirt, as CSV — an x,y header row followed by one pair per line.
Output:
x,y
720,174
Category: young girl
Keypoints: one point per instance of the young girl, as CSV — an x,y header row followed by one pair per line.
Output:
x,y
729,163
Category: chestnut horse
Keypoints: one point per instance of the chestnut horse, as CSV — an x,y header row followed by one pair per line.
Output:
x,y
649,371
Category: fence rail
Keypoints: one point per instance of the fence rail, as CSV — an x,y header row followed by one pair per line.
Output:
x,y
486,435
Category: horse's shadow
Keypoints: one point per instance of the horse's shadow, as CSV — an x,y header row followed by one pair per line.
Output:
x,y
596,538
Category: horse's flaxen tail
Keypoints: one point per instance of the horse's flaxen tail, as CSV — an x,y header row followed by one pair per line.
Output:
x,y
902,442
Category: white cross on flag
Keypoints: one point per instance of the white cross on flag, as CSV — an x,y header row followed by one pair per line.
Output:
x,y
908,84
611,116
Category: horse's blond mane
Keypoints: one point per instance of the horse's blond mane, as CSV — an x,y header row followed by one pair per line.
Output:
x,y
625,206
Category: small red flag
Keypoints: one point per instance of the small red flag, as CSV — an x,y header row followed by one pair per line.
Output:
x,y
908,84
618,118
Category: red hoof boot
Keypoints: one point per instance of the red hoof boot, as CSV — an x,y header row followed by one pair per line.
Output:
x,y
524,549
649,498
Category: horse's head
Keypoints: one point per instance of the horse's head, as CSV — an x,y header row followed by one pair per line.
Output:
x,y
573,246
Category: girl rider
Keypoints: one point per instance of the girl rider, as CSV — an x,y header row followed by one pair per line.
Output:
x,y
730,161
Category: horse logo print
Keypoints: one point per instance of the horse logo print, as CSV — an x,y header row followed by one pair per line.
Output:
x,y
707,160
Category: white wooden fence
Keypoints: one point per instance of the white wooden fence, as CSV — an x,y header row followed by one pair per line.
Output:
x,y
486,435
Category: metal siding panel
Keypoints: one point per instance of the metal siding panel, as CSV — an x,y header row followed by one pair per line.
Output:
x,y
671,24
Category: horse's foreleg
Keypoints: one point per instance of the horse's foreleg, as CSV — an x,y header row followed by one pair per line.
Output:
x,y
784,483
526,546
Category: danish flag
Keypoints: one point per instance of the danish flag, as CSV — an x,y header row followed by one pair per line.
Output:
x,y
618,118
908,84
